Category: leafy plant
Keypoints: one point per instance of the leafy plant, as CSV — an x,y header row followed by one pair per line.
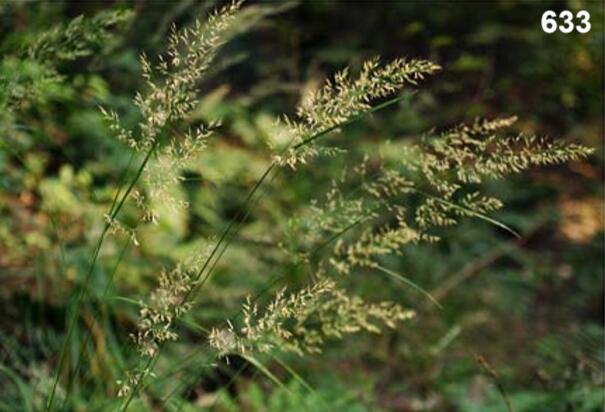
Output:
x,y
382,205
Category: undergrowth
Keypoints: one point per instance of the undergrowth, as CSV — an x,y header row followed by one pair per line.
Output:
x,y
375,208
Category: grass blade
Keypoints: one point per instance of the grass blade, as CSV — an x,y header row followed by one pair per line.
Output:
x,y
408,282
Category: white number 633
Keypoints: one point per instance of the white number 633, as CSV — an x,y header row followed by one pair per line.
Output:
x,y
550,25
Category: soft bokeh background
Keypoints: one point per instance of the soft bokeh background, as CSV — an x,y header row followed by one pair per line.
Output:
x,y
532,308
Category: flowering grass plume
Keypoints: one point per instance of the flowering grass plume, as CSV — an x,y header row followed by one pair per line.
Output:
x,y
301,322
342,100
441,174
170,96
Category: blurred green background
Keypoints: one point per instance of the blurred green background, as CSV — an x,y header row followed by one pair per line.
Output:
x,y
532,308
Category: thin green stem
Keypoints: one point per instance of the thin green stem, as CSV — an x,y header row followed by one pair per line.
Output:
x,y
225,233
148,367
103,296
268,171
469,212
408,282
121,181
75,315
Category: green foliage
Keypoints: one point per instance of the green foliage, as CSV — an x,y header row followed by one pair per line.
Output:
x,y
294,397
30,73
149,243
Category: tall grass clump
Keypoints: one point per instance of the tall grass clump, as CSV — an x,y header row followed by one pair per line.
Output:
x,y
398,200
